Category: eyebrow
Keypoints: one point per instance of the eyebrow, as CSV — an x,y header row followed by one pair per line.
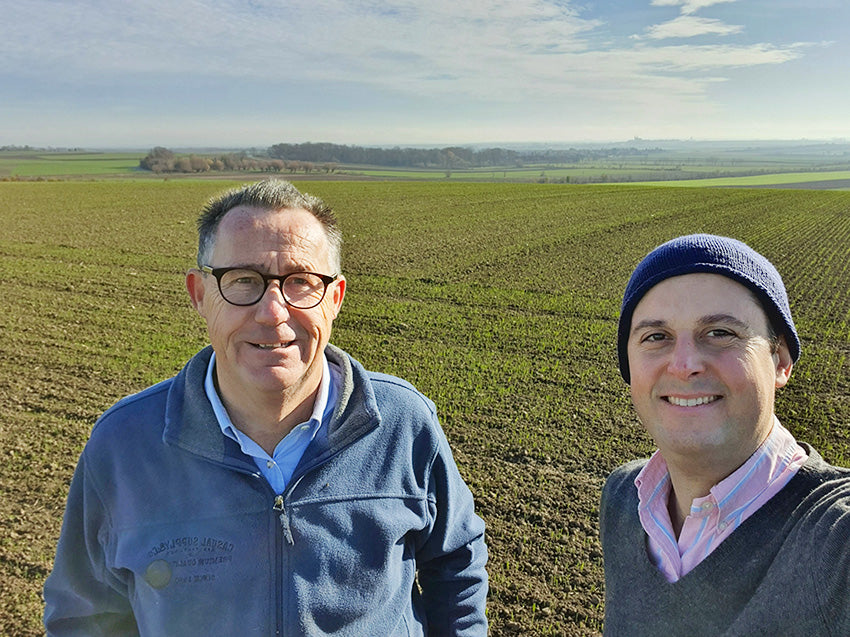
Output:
x,y
263,270
710,319
646,323
724,318
243,266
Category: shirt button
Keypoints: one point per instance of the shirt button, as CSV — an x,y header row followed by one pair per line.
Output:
x,y
270,464
722,526
707,505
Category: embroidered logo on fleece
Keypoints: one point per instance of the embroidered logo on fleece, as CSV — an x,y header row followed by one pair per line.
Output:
x,y
187,560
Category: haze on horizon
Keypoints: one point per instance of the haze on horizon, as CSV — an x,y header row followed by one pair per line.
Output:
x,y
229,73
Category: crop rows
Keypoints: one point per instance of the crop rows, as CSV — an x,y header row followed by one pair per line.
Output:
x,y
498,301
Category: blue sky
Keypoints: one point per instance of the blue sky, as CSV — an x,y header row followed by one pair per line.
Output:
x,y
236,73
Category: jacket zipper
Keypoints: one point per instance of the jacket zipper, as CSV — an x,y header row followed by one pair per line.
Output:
x,y
279,505
280,508
284,519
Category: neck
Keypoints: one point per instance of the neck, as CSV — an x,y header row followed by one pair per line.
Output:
x,y
683,491
690,480
268,425
268,418
692,475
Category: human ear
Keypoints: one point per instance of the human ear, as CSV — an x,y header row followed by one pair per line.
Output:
x,y
196,289
337,294
783,362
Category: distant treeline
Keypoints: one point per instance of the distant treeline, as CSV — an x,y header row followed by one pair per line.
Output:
x,y
163,160
324,157
450,157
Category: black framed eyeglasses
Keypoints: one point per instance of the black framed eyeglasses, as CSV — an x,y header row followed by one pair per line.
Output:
x,y
243,286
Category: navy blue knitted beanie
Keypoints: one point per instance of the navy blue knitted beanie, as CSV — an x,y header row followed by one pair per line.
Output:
x,y
712,254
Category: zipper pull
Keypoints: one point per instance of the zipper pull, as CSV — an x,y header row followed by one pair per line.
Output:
x,y
284,519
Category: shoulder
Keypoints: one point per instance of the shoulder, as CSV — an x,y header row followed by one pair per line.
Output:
x,y
131,406
133,418
822,533
139,400
393,389
819,470
391,393
124,433
819,495
618,504
624,475
620,489
827,493
820,486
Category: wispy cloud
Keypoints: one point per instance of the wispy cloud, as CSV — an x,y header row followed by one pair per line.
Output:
x,y
400,58
483,50
689,6
716,57
688,26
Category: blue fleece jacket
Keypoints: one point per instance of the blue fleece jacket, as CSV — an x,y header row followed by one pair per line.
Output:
x,y
171,530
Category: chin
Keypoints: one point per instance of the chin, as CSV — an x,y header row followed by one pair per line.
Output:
x,y
274,379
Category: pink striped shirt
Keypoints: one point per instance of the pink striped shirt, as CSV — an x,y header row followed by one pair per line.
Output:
x,y
713,517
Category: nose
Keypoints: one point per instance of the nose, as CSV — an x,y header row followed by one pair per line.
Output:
x,y
685,358
272,308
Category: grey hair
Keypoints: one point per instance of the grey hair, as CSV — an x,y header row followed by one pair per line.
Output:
x,y
269,194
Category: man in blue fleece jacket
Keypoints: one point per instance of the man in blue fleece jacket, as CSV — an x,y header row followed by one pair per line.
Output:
x,y
273,486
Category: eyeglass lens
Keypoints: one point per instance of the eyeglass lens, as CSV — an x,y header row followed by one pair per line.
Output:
x,y
245,287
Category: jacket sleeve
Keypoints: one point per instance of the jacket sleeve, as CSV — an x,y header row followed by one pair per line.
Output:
x,y
451,562
82,595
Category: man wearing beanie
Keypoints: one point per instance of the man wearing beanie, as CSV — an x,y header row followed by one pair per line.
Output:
x,y
732,527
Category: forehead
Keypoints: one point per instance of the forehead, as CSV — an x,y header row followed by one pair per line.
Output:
x,y
699,295
249,231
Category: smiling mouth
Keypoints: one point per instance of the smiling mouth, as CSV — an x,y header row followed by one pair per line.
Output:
x,y
270,346
691,402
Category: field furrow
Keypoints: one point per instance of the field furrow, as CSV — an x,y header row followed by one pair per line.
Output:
x,y
499,301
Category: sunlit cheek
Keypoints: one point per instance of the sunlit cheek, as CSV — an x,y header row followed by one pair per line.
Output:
x,y
317,322
222,318
758,362
327,310
759,348
643,366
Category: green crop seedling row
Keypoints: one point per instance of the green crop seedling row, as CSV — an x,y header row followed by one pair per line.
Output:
x,y
499,301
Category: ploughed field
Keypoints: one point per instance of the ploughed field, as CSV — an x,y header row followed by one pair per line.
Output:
x,y
499,301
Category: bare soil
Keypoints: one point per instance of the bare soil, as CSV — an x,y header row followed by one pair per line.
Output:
x,y
546,562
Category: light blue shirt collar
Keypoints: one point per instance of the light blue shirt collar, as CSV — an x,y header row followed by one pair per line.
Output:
x,y
279,467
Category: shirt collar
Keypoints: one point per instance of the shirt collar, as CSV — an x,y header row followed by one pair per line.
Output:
x,y
736,490
653,481
224,422
755,475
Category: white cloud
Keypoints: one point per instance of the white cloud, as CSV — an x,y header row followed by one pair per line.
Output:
x,y
232,37
716,57
688,6
484,48
400,62
687,26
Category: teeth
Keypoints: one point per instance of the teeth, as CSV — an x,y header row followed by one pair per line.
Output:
x,y
270,345
691,402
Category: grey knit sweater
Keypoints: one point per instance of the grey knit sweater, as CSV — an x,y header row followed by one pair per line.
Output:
x,y
785,571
